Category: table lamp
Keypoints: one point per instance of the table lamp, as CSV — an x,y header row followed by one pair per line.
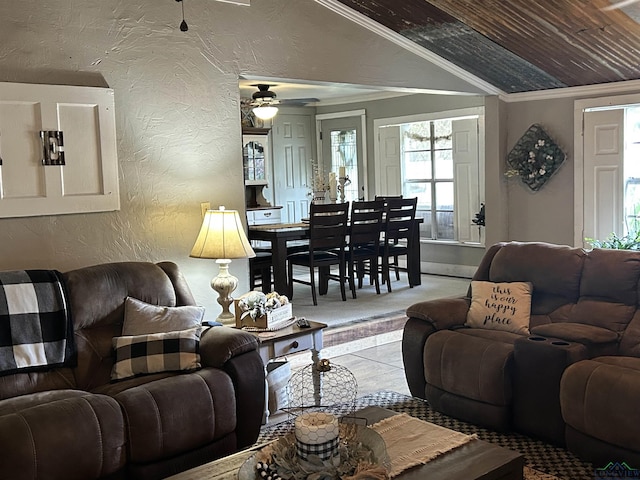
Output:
x,y
222,237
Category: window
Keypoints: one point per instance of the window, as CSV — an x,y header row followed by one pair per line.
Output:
x,y
439,165
427,171
344,153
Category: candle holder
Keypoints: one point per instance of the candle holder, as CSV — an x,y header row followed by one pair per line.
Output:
x,y
343,182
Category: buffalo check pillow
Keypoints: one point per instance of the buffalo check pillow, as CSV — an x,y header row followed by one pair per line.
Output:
x,y
155,353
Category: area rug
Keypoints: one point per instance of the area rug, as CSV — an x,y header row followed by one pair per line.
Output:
x,y
543,461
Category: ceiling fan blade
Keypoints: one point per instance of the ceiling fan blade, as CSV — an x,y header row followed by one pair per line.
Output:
x,y
298,101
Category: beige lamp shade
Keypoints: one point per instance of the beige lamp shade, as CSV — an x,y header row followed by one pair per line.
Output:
x,y
222,236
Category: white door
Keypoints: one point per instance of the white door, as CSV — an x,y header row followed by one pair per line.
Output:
x,y
342,146
465,176
292,154
388,173
603,173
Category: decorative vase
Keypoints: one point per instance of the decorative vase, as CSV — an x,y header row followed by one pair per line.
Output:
x,y
319,196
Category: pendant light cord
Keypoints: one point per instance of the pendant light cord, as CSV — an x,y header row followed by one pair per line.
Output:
x,y
183,25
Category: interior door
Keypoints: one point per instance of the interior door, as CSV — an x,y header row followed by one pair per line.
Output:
x,y
292,153
388,172
603,173
466,175
342,146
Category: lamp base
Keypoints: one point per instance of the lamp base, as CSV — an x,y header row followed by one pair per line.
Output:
x,y
225,284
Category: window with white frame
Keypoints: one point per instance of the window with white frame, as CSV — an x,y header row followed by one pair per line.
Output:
x,y
427,173
440,165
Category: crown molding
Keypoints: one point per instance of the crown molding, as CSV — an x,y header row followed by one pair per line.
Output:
x,y
600,89
407,44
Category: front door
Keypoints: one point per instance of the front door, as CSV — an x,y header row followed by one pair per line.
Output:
x,y
342,147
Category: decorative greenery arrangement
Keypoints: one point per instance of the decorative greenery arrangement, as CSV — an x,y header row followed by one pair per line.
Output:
x,y
535,158
318,181
613,241
257,304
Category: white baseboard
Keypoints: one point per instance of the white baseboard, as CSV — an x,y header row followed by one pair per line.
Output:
x,y
463,271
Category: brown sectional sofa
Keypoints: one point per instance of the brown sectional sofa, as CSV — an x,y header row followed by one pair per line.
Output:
x,y
75,423
574,380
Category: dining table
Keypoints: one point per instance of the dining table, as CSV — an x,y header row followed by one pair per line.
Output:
x,y
280,235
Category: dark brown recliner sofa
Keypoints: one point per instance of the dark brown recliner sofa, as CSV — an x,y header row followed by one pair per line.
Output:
x,y
74,423
584,315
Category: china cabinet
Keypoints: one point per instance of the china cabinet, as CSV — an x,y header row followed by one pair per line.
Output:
x,y
256,162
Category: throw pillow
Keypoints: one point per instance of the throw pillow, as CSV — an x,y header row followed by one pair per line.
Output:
x,y
141,318
500,306
155,353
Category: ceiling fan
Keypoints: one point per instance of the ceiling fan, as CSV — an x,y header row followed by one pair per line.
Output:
x,y
265,96
265,101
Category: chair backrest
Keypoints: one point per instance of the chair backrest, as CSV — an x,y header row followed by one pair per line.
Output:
x,y
400,214
366,223
328,225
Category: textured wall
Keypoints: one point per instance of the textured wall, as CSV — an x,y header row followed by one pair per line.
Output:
x,y
178,126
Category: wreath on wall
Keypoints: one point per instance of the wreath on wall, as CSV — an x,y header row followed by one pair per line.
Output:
x,y
535,158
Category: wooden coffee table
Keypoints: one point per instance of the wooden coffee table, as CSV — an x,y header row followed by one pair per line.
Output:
x,y
476,460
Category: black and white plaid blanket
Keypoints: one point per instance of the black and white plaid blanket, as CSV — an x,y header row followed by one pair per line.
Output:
x,y
36,332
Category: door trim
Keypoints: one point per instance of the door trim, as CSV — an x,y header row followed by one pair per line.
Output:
x,y
579,106
362,113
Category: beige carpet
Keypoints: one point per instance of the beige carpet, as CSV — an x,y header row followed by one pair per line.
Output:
x,y
368,305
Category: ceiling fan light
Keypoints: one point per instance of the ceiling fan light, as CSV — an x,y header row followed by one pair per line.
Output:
x,y
265,112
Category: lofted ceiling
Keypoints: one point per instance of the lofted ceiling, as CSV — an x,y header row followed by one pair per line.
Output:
x,y
520,45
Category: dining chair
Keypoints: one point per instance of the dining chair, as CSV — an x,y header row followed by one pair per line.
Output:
x,y
327,242
364,242
398,228
260,268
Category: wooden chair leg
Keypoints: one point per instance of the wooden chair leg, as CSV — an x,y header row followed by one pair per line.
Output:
x,y
373,267
313,285
352,266
342,270
387,273
290,273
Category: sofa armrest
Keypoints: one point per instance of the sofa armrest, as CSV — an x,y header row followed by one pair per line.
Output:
x,y
218,345
426,318
442,313
236,352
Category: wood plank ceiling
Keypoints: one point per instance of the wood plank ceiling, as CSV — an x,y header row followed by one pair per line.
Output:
x,y
520,45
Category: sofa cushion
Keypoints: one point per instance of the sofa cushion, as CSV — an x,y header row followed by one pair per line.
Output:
x,y
483,373
160,426
599,398
61,434
96,297
157,352
141,318
554,270
500,306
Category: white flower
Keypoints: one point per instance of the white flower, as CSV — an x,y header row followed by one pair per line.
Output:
x,y
542,171
532,154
